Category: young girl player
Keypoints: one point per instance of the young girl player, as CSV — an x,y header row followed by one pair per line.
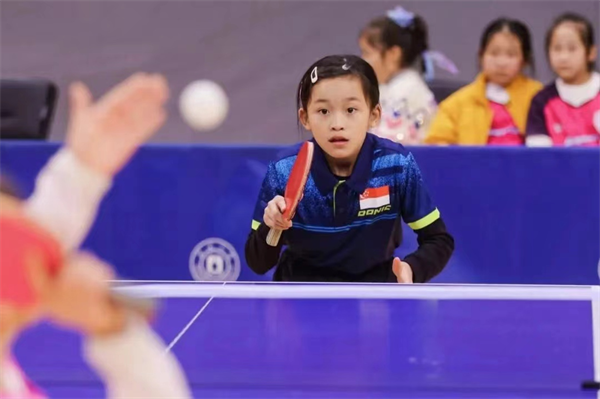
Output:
x,y
360,187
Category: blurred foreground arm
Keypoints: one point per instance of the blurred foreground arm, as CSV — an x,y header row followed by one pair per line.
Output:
x,y
119,344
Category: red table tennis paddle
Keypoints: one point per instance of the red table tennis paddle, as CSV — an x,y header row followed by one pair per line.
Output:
x,y
294,188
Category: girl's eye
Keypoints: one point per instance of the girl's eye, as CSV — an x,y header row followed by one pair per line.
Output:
x,y
351,110
323,111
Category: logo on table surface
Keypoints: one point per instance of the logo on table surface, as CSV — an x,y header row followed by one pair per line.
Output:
x,y
214,259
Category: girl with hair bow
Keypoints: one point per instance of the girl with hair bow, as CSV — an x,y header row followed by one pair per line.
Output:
x,y
397,47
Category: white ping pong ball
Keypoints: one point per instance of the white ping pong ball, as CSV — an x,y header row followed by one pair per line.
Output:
x,y
203,105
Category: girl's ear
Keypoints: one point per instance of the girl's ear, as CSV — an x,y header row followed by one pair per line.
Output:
x,y
394,53
303,117
375,117
593,54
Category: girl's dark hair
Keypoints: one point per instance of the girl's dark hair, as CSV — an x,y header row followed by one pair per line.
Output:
x,y
586,33
517,28
383,33
334,66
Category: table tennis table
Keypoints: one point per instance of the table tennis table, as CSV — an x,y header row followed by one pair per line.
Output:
x,y
296,340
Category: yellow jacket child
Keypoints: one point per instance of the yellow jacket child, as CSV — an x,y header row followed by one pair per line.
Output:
x,y
493,109
465,118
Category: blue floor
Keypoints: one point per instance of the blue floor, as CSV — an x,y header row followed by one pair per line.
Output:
x,y
289,348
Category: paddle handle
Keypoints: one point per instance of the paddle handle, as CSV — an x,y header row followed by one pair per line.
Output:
x,y
273,237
